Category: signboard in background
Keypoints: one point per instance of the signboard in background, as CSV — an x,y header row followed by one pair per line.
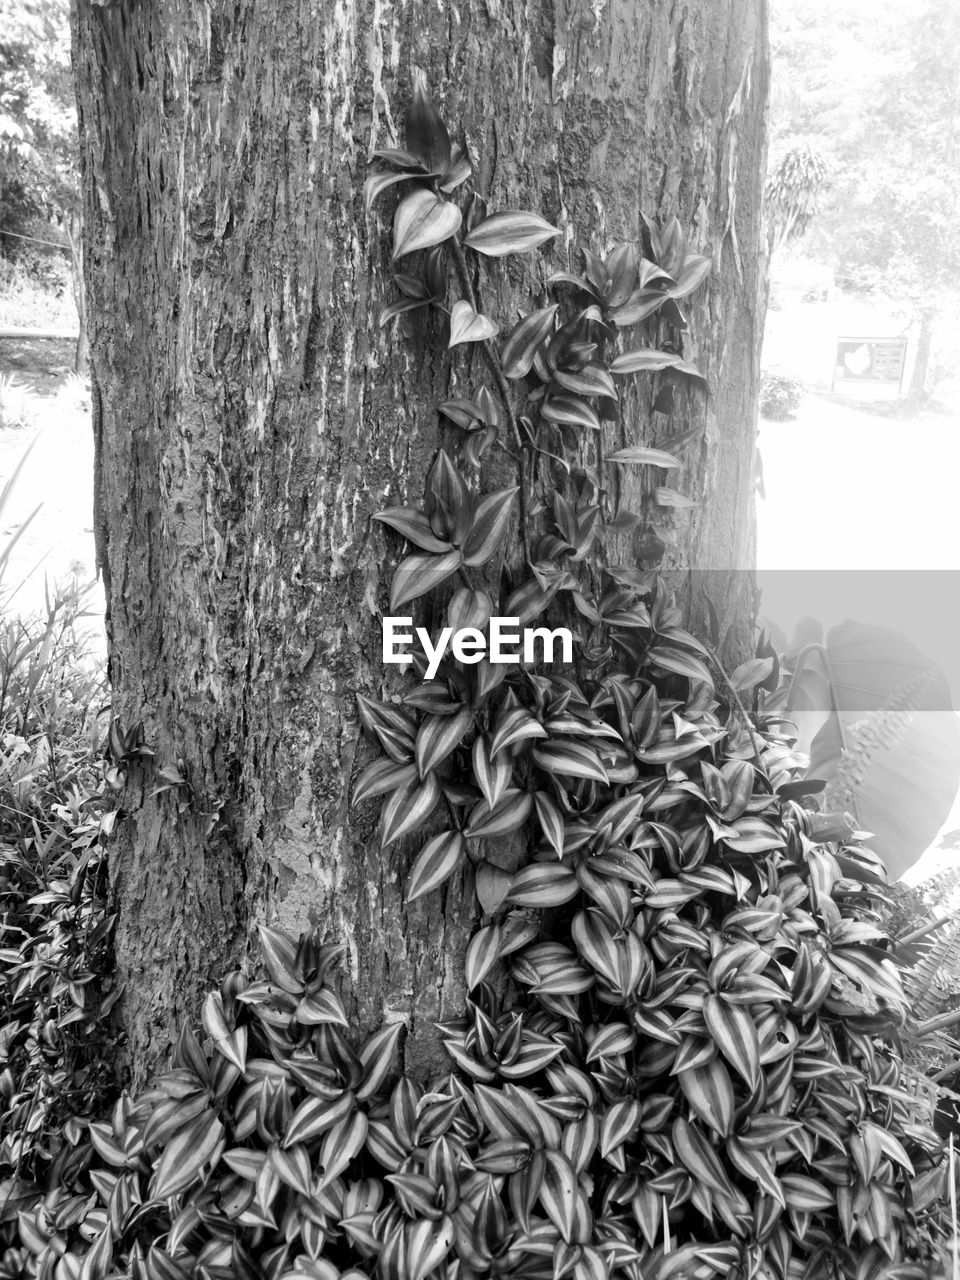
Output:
x,y
869,368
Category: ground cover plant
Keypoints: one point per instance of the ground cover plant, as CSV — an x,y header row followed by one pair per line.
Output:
x,y
679,1057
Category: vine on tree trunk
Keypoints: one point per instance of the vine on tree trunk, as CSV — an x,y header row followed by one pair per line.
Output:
x,y
678,1056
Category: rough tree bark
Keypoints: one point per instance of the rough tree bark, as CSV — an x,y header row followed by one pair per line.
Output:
x,y
252,416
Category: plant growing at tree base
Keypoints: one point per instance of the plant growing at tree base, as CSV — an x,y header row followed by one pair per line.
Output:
x,y
678,1053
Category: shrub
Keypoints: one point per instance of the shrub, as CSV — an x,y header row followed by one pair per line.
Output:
x,y
678,1055
780,396
55,983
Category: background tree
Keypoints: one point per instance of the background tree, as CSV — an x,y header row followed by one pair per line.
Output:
x,y
251,416
39,178
870,89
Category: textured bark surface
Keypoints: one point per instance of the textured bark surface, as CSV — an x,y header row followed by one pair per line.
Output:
x,y
253,416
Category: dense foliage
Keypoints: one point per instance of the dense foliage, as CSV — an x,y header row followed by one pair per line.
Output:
x,y
678,1055
55,811
38,167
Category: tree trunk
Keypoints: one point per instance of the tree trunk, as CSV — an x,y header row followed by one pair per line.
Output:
x,y
253,416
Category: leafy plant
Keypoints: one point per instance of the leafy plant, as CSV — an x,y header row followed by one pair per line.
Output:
x,y
793,192
678,1055
55,961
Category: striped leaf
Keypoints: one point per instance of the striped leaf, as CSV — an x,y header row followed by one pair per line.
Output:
x,y
418,574
467,325
405,810
611,1041
491,776
474,1069
543,884
381,776
508,814
806,1195
569,411
415,527
646,360
735,1035
280,957
533,1057
158,1265
558,1194
514,725
315,1116
509,231
186,1154
340,1145
647,1207
756,1165
570,760
698,1157
619,1125
637,455
436,863
376,1057
551,821
493,885
292,1166
423,219
590,380
437,738
667,497
709,1090
427,1244
320,1007
489,526
521,346
482,954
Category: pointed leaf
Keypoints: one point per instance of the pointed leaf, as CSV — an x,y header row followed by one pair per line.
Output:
x,y
646,360
489,526
376,1057
437,738
542,885
509,231
416,575
425,134
508,814
423,219
436,863
467,326
522,345
185,1155
280,957
482,954
734,1032
644,457
405,810
570,411
414,526
667,497
709,1091
382,776
570,760
378,183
